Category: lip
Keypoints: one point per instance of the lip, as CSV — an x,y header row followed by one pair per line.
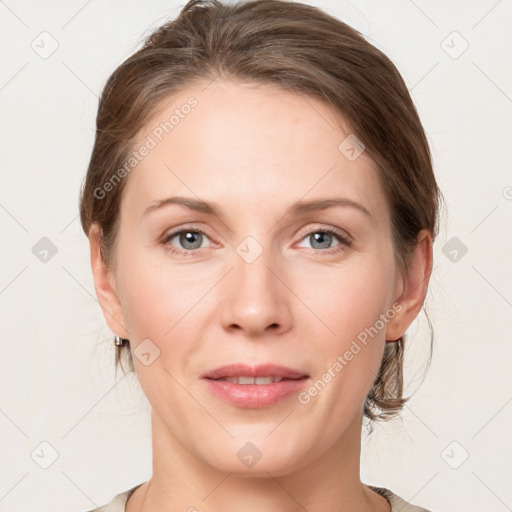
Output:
x,y
254,396
260,370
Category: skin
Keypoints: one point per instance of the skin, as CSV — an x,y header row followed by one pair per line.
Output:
x,y
254,151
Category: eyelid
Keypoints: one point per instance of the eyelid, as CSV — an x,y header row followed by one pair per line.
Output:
x,y
342,234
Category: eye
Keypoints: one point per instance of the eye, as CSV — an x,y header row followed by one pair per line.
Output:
x,y
189,239
323,239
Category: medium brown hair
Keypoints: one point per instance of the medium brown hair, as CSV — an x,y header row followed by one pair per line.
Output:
x,y
301,49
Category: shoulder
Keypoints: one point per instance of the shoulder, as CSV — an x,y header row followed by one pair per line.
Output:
x,y
118,503
398,504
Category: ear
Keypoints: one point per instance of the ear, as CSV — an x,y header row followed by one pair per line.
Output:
x,y
104,284
412,287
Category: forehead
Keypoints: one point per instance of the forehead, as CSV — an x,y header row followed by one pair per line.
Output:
x,y
255,143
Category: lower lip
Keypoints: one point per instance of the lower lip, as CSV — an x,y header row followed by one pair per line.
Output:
x,y
255,395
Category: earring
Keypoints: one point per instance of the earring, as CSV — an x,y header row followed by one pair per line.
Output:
x,y
119,341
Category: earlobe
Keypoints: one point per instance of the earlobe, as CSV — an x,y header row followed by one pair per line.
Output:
x,y
414,287
104,284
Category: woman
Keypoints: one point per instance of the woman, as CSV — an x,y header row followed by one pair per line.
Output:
x,y
261,207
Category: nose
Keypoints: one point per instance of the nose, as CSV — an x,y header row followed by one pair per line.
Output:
x,y
257,302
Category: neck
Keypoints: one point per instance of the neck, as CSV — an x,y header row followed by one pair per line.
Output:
x,y
181,481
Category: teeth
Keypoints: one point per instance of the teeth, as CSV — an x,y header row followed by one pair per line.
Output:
x,y
252,380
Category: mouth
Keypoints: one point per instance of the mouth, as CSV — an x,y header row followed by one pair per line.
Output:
x,y
245,371
245,380
250,386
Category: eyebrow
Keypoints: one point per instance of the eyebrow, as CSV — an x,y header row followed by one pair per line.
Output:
x,y
298,208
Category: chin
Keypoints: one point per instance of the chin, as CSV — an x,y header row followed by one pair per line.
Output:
x,y
253,462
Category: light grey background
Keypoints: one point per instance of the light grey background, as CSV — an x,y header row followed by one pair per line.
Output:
x,y
58,386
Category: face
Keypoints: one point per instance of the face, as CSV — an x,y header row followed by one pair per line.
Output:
x,y
278,252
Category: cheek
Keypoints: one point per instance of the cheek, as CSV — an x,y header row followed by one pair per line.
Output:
x,y
155,296
166,304
350,304
349,299
148,304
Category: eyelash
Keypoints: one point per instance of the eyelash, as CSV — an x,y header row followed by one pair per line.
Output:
x,y
344,240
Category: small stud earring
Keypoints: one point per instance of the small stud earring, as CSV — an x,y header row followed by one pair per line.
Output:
x,y
119,341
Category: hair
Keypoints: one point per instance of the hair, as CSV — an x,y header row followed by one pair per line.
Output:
x,y
298,48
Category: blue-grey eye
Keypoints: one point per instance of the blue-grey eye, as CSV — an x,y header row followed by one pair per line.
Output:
x,y
190,239
187,239
322,239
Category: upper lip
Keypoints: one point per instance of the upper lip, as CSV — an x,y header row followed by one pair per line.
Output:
x,y
260,370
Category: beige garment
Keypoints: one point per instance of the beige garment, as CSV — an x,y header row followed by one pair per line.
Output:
x,y
397,504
